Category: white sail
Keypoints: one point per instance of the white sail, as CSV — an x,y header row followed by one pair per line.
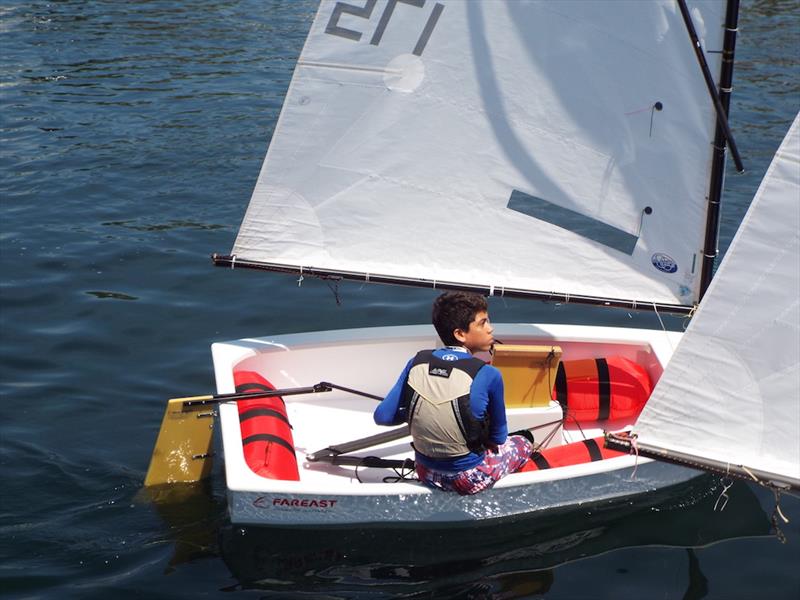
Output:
x,y
731,392
535,145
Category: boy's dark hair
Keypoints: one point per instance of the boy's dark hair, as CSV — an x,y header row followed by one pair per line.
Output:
x,y
455,310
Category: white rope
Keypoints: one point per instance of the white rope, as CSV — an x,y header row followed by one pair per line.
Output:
x,y
749,472
491,290
778,506
655,310
635,447
233,261
724,494
687,319
664,329
300,281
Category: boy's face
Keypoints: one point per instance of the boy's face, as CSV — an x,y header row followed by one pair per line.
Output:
x,y
478,338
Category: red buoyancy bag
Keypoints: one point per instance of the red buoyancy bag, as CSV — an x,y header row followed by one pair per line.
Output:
x,y
575,453
266,433
597,389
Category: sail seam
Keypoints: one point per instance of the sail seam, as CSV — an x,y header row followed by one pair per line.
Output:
x,y
350,68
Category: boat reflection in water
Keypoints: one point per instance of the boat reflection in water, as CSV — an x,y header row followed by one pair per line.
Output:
x,y
515,558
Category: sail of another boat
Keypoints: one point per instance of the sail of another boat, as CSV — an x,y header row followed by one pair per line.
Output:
x,y
729,399
554,149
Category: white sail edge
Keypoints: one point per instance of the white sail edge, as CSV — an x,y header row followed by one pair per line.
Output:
x,y
729,399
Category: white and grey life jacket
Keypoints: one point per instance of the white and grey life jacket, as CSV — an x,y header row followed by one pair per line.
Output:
x,y
436,406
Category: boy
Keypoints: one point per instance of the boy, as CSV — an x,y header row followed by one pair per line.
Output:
x,y
453,403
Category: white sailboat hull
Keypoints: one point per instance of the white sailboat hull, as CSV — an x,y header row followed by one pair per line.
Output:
x,y
370,360
410,504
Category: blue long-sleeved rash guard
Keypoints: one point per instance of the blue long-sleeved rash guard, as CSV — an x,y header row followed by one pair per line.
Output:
x,y
486,396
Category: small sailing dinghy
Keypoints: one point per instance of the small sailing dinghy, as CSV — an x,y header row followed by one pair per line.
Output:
x,y
571,152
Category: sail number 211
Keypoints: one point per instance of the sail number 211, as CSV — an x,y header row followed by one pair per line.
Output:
x,y
365,12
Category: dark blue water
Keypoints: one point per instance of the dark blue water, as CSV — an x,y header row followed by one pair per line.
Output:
x,y
132,135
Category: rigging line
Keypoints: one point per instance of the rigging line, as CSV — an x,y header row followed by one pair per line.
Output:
x,y
746,470
635,447
405,473
566,414
365,282
335,289
777,493
663,328
546,439
774,519
639,110
727,484
687,318
652,114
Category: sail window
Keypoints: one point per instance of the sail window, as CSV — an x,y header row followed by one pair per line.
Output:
x,y
583,225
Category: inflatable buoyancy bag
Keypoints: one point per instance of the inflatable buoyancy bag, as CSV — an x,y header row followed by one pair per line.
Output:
x,y
266,433
575,453
597,389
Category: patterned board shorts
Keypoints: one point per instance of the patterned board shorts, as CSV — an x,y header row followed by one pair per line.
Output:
x,y
510,457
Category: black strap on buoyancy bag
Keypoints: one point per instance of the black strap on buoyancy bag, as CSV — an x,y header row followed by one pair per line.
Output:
x,y
604,389
540,461
593,449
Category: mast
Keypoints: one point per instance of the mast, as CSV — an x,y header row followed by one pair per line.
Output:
x,y
717,178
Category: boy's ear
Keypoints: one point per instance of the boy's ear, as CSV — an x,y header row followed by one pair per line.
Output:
x,y
459,334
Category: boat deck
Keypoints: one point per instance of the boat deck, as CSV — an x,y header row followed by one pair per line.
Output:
x,y
369,360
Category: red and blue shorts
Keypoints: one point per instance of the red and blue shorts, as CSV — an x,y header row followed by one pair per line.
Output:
x,y
510,457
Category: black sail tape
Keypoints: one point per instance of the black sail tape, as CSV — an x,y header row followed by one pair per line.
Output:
x,y
540,461
604,390
593,449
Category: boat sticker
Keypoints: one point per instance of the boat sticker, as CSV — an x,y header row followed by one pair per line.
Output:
x,y
664,262
263,502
